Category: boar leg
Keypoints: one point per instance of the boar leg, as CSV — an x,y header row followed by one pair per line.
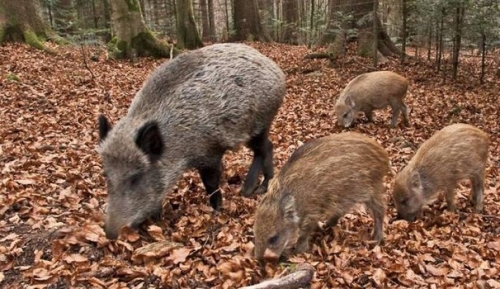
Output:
x,y
395,115
210,176
450,199
477,192
377,207
262,161
369,115
332,222
406,122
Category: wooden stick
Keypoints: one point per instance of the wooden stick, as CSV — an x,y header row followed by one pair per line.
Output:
x,y
302,277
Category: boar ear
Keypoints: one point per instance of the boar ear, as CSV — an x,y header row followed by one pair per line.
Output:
x,y
150,141
416,182
104,127
349,102
287,205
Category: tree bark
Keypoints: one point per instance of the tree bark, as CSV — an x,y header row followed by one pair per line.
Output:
x,y
362,20
132,37
291,13
211,18
21,21
187,34
301,278
205,21
247,22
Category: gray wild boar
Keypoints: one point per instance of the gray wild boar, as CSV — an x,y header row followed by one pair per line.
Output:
x,y
187,114
320,182
371,91
457,152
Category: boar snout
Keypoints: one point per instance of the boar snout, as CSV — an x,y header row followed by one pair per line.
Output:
x,y
268,257
407,217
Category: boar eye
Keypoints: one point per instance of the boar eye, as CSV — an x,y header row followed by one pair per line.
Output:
x,y
273,239
134,179
404,202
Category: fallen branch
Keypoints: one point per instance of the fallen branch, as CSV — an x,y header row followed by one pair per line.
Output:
x,y
319,56
301,277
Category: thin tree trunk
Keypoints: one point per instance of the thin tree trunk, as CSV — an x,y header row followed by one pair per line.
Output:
x,y
375,34
483,57
205,23
403,47
291,13
211,18
429,43
460,10
311,25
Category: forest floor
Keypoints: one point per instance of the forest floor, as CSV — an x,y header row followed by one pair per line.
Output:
x,y
53,193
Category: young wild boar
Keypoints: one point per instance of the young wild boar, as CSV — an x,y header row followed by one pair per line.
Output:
x,y
186,115
457,152
371,91
320,182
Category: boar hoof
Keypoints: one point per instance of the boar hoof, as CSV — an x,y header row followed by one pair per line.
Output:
x,y
249,192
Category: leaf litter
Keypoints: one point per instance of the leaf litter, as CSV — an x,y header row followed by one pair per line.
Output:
x,y
53,194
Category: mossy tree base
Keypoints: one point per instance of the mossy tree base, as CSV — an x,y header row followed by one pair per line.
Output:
x,y
144,44
15,33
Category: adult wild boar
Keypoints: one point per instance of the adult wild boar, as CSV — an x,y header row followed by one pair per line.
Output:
x,y
187,114
371,91
320,182
457,152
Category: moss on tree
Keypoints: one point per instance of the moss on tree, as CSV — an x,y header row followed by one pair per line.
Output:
x,y
133,5
144,44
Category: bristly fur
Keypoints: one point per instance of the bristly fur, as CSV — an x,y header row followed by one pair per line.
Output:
x,y
204,102
371,91
326,178
457,152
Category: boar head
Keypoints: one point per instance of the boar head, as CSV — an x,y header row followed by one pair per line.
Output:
x,y
345,112
408,195
276,225
131,159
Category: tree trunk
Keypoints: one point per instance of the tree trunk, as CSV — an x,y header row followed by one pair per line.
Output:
x,y
362,20
291,13
405,31
483,57
64,17
205,21
132,37
21,21
331,27
187,34
457,39
211,18
247,22
375,32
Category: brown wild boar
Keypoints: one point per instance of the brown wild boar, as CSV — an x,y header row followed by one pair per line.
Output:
x,y
457,152
371,91
187,114
320,182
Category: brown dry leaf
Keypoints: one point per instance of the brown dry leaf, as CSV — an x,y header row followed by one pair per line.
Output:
x,y
51,178
75,258
179,255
